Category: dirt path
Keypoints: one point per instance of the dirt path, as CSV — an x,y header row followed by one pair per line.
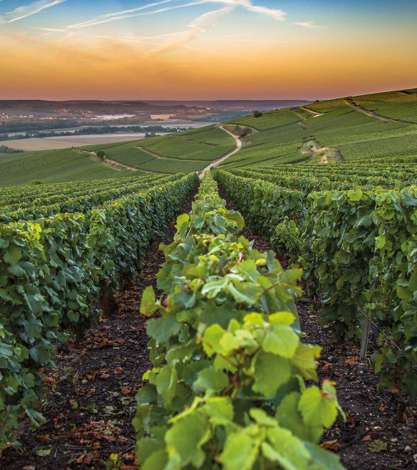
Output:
x,y
216,163
313,113
117,166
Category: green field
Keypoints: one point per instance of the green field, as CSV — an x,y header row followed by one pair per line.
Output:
x,y
51,166
190,151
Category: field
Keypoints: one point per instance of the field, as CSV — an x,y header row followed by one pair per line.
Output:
x,y
278,317
186,152
54,143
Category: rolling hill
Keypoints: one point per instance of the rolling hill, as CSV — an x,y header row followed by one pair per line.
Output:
x,y
370,127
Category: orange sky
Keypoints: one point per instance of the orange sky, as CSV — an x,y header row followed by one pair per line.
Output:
x,y
210,56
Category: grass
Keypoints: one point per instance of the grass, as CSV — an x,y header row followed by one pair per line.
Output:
x,y
206,144
270,120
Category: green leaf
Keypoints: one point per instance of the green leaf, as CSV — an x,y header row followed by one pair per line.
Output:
x,y
290,417
229,343
182,220
212,288
270,373
281,340
245,292
156,461
211,339
166,382
286,449
239,452
318,408
211,379
281,318
162,329
355,195
186,437
146,446
13,255
380,242
305,360
219,410
148,302
323,459
262,418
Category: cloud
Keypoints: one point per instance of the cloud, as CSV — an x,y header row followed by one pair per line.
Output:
x,y
119,15
198,26
307,25
25,11
139,11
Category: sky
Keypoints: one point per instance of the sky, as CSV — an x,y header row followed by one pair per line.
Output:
x,y
205,49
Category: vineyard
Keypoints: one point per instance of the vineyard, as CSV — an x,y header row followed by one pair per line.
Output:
x,y
261,315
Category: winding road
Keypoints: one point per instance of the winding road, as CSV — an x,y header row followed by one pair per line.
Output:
x,y
216,163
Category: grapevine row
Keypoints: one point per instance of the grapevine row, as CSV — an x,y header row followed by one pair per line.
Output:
x,y
53,271
358,248
232,385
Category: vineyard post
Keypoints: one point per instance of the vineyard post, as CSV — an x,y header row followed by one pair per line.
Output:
x,y
365,325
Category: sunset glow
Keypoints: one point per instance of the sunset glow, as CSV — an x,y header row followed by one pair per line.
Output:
x,y
205,49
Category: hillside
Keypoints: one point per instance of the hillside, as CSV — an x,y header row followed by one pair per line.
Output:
x,y
190,151
369,127
359,128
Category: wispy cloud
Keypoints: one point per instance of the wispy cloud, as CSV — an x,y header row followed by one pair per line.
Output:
x,y
139,11
25,11
198,26
308,25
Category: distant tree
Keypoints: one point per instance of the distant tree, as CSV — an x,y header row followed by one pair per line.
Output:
x,y
257,114
101,155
